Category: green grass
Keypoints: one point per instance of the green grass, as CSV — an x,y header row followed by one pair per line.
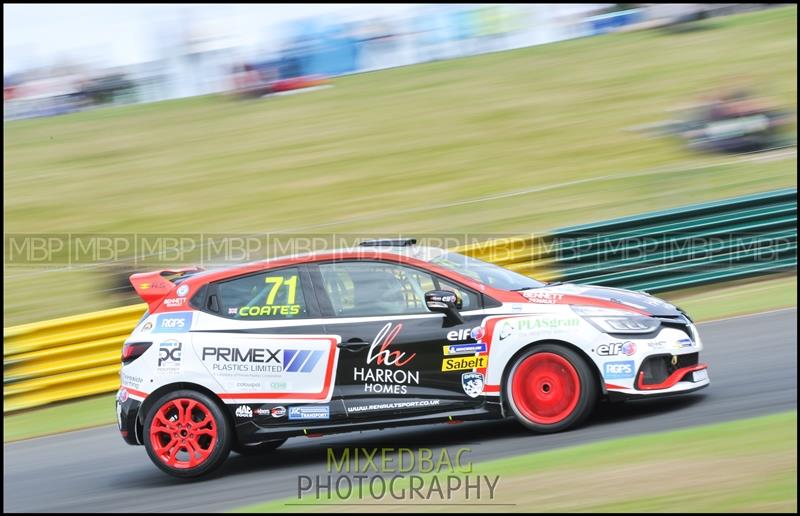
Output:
x,y
745,465
736,298
703,304
62,417
383,151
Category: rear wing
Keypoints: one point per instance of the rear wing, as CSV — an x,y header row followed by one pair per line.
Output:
x,y
154,286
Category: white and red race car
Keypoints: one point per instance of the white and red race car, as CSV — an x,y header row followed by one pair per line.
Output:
x,y
385,335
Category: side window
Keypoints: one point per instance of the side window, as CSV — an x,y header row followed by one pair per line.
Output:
x,y
270,295
469,299
374,288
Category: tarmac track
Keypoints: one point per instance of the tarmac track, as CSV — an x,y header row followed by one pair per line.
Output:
x,y
752,364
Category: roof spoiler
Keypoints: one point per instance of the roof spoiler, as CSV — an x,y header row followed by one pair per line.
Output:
x,y
154,286
387,242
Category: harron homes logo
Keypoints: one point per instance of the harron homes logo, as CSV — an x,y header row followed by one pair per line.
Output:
x,y
386,380
262,360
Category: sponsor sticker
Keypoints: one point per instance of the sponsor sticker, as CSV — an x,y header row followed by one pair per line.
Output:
x,y
393,405
506,329
538,296
147,326
173,323
182,290
173,302
309,412
548,324
684,343
122,395
617,370
700,376
616,348
461,363
232,311
134,382
472,383
278,412
169,357
262,360
455,335
244,411
464,349
386,372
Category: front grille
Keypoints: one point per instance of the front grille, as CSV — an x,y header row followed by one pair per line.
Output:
x,y
675,321
657,368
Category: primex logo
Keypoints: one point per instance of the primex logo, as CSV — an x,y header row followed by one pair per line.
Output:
x,y
262,360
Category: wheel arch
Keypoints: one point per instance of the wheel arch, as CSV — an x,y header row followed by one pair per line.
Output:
x,y
524,349
177,386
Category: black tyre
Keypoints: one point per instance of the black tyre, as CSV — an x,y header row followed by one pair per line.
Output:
x,y
186,434
550,388
258,448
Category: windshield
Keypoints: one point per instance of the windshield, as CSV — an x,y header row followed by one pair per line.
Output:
x,y
485,272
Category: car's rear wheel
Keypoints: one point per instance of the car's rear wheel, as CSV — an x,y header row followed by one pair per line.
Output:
x,y
550,388
258,448
187,434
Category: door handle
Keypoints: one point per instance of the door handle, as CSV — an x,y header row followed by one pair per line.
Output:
x,y
353,345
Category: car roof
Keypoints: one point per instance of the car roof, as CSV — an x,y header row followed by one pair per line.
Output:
x,y
415,256
392,253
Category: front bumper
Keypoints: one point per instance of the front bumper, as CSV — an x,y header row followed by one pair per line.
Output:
x,y
663,364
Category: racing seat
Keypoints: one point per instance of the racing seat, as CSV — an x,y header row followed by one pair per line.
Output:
x,y
378,293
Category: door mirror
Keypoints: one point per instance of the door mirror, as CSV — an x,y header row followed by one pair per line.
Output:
x,y
444,302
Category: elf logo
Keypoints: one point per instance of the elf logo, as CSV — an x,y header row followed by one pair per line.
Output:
x,y
615,348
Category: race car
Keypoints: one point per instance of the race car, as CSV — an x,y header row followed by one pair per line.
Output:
x,y
385,334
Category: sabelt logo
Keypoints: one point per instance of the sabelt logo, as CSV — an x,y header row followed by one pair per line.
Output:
x,y
461,363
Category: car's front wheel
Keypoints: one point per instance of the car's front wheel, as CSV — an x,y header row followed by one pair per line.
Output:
x,y
187,434
550,388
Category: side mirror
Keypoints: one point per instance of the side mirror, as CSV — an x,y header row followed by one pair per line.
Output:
x,y
444,302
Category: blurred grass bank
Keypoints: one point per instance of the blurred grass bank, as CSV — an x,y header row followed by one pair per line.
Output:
x,y
419,149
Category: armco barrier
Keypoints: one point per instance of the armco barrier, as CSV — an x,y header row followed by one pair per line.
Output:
x,y
79,356
682,247
65,358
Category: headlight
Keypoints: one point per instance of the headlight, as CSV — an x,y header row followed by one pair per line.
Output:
x,y
609,320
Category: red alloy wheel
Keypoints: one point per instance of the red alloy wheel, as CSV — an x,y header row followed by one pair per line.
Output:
x,y
183,433
546,388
